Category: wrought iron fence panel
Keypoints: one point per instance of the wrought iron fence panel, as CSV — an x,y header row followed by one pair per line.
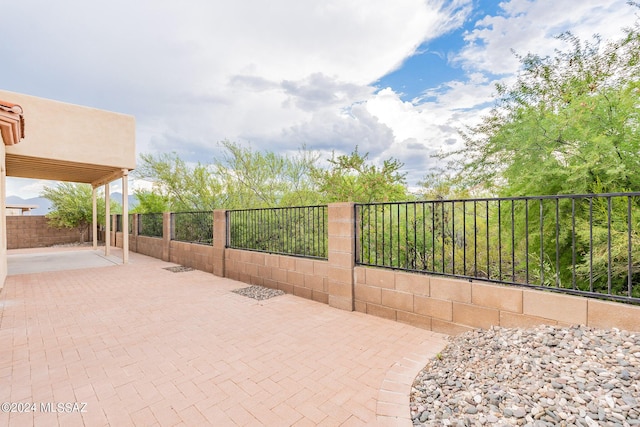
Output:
x,y
192,227
300,231
150,224
585,244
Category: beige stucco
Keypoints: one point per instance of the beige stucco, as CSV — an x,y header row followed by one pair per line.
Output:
x,y
3,217
69,142
64,142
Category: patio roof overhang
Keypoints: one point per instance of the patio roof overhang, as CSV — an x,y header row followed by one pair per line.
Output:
x,y
69,143
65,142
60,170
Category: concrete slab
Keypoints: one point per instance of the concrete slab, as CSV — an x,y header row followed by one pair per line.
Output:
x,y
29,263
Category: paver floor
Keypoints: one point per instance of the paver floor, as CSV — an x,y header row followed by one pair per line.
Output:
x,y
137,345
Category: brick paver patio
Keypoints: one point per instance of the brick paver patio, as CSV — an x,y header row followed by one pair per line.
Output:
x,y
140,345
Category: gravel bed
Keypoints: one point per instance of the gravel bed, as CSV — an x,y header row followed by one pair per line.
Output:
x,y
258,292
179,269
543,376
74,244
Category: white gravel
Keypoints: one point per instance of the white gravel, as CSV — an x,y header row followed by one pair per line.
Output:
x,y
543,376
258,292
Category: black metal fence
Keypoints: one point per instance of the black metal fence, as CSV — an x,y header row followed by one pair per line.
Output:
x,y
300,231
579,244
118,222
192,227
119,227
150,224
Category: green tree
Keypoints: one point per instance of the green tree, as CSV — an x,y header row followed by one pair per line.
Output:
x,y
253,179
567,125
72,206
150,202
185,187
438,185
350,178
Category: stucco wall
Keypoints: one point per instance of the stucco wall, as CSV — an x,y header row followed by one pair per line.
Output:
x,y
66,132
3,216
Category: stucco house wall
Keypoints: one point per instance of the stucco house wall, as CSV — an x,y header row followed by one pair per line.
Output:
x,y
61,142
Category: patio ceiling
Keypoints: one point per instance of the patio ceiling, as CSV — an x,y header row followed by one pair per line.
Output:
x,y
59,170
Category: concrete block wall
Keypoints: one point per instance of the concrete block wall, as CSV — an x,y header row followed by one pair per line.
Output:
x,y
36,232
219,242
150,246
341,249
302,277
436,303
453,306
117,236
191,255
196,256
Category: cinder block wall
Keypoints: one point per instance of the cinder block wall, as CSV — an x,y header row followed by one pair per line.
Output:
x,y
118,236
35,232
437,303
453,306
150,246
192,255
302,277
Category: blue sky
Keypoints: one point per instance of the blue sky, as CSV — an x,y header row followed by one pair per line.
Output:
x,y
398,79
430,66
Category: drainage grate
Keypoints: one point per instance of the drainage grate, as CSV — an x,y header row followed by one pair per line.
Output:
x,y
258,292
179,269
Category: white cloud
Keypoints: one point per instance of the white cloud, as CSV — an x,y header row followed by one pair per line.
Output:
x,y
342,131
193,73
527,26
430,127
278,74
431,123
27,188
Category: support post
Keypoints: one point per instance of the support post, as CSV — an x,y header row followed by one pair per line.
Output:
x,y
94,223
107,220
125,216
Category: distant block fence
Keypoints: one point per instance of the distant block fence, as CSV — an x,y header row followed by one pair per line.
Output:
x,y
324,263
35,231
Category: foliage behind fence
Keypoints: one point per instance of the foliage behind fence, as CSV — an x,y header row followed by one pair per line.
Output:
x,y
150,224
192,227
581,244
300,231
118,222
